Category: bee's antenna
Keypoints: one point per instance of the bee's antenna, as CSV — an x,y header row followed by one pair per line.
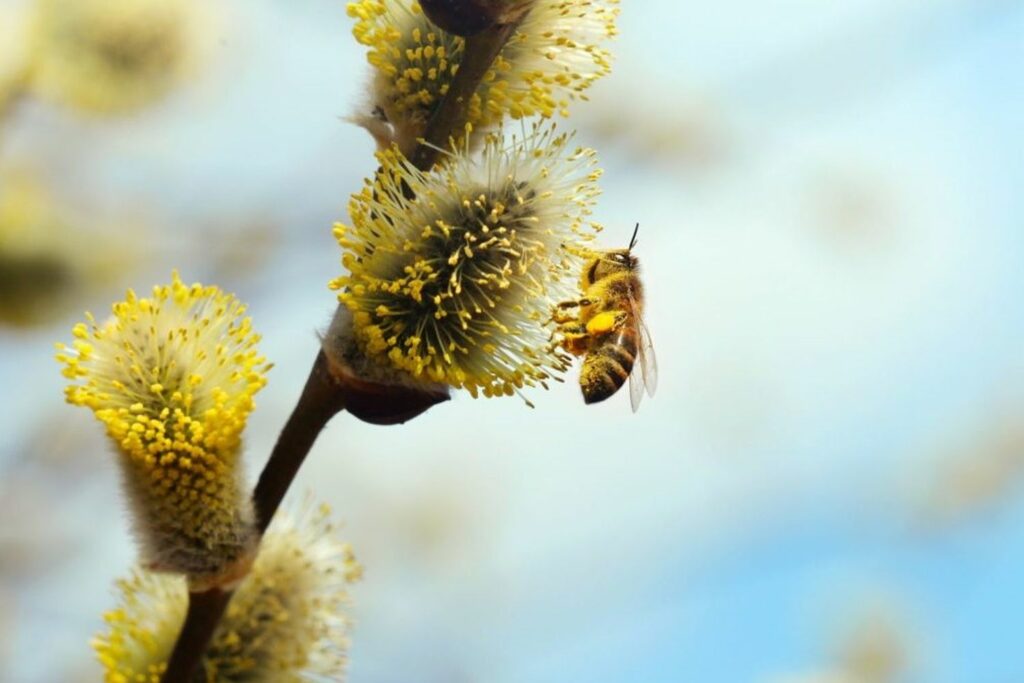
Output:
x,y
632,242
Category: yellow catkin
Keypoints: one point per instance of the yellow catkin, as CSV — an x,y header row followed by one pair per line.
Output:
x,y
286,623
172,377
456,285
554,56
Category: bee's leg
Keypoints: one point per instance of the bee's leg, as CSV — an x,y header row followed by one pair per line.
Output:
x,y
575,303
561,313
605,322
573,338
561,318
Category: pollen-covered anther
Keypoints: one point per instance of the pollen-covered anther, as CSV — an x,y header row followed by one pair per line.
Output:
x,y
453,274
172,377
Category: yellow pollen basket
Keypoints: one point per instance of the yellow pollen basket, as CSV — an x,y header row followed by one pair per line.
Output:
x,y
602,323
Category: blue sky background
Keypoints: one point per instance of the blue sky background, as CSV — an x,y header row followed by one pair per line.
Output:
x,y
832,239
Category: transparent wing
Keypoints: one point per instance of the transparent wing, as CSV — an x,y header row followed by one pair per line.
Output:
x,y
647,377
648,361
636,389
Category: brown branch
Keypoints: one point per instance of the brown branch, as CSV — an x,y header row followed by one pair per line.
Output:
x,y
204,612
323,396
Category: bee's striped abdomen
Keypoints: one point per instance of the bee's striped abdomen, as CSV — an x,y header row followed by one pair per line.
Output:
x,y
607,366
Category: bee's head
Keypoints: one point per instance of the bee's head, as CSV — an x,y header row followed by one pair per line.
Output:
x,y
610,263
613,261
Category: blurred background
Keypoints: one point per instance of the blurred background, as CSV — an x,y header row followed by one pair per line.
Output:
x,y
829,485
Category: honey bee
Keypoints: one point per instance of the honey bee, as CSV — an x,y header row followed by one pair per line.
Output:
x,y
606,326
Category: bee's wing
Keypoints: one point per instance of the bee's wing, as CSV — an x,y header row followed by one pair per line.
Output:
x,y
636,390
647,377
648,361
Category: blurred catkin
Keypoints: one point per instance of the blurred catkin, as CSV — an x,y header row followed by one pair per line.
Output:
x,y
49,259
36,269
111,56
14,55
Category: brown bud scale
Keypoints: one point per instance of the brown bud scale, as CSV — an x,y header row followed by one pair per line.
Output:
x,y
461,17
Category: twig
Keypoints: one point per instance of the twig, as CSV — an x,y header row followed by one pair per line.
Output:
x,y
204,612
323,397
